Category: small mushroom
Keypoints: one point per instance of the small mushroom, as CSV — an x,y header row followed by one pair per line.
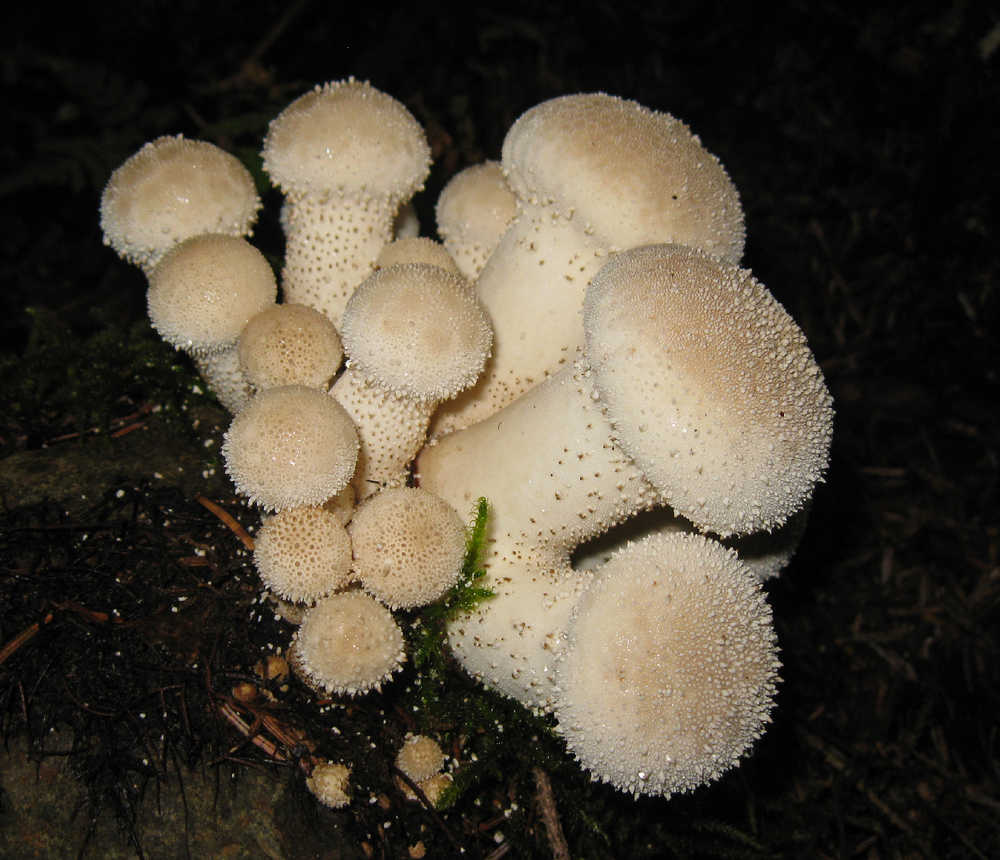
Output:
x,y
346,156
290,447
173,189
329,783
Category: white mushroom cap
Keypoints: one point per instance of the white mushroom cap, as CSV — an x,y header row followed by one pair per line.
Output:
x,y
710,386
291,446
173,189
670,672
416,249
303,554
329,784
290,345
420,758
629,173
417,331
473,212
349,138
409,545
205,290
347,644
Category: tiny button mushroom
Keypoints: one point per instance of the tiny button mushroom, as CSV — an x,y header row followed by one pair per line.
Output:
x,y
173,189
415,335
290,345
201,295
420,758
473,212
329,783
668,674
409,545
303,554
347,644
346,156
289,447
416,249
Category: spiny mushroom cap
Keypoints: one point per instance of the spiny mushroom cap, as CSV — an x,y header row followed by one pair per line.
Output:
x,y
348,644
409,545
417,331
303,554
289,447
628,173
290,345
670,672
205,290
416,249
350,138
173,189
710,386
329,783
420,758
473,212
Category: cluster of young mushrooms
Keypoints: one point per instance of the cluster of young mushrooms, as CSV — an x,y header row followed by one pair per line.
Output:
x,y
582,349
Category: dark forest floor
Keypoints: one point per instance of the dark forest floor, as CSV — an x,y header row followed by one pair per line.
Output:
x,y
864,140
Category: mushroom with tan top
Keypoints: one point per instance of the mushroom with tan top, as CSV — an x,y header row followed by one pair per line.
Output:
x,y
408,546
173,189
303,554
329,783
290,345
201,296
473,212
669,673
347,644
291,447
416,249
593,175
346,156
415,335
698,391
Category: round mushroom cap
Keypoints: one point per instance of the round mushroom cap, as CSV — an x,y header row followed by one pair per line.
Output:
x,y
709,385
303,554
290,345
347,644
291,446
417,331
670,670
416,249
349,137
420,758
173,189
473,212
630,174
206,289
409,545
329,783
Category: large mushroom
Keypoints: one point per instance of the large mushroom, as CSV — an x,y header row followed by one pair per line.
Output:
x,y
347,156
732,437
593,175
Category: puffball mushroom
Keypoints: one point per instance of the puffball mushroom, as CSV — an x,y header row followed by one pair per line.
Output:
x,y
346,156
414,335
416,249
201,295
347,644
408,546
593,175
473,212
591,446
420,757
710,386
329,783
290,345
303,554
173,189
290,447
670,670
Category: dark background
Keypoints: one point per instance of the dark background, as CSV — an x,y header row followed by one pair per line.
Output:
x,y
864,139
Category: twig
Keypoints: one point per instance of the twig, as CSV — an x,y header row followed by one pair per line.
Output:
x,y
234,526
550,816
22,637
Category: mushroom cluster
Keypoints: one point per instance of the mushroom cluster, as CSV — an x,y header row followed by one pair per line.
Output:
x,y
583,350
